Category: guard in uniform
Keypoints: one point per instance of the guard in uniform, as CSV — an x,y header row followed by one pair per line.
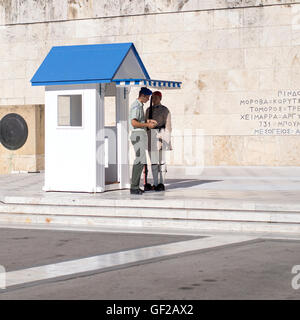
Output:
x,y
159,140
139,137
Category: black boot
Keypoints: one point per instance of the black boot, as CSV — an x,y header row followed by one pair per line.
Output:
x,y
136,191
160,187
148,187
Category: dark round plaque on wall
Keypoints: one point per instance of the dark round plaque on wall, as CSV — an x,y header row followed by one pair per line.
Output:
x,y
13,131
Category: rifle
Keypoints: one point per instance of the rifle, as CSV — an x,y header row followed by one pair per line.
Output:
x,y
146,184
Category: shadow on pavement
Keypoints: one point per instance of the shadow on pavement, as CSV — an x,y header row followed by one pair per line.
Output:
x,y
186,183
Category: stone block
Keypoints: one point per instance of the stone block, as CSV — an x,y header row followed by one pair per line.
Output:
x,y
88,28
288,150
226,102
19,88
260,150
256,58
34,100
275,78
275,36
199,104
80,9
131,26
253,17
56,10
128,7
225,19
278,15
250,37
111,27
68,29
106,8
13,33
226,39
8,89
29,11
157,43
224,59
227,150
12,101
169,23
199,20
242,80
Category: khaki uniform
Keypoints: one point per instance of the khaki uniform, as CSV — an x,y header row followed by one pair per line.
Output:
x,y
139,141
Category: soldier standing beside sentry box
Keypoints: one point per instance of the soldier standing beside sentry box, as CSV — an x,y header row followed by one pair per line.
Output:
x,y
139,138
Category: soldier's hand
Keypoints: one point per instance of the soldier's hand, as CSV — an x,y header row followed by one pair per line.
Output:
x,y
151,123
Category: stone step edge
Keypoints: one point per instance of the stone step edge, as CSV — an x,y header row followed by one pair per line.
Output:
x,y
243,226
148,213
208,204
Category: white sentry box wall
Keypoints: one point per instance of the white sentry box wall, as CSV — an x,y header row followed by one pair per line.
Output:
x,y
75,156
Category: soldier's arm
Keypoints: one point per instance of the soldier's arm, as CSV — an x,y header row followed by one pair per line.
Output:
x,y
135,114
137,124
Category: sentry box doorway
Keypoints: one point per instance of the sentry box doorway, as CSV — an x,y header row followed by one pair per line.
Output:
x,y
82,153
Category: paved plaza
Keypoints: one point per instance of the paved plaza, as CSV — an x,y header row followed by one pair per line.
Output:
x,y
46,260
49,264
276,184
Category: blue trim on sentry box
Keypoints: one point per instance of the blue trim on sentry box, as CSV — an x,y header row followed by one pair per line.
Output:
x,y
149,82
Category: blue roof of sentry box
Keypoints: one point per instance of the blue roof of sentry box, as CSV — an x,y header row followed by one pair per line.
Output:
x,y
96,63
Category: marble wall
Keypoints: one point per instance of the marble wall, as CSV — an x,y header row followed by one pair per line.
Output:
x,y
238,61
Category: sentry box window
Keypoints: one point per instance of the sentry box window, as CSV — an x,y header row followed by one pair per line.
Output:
x,y
69,110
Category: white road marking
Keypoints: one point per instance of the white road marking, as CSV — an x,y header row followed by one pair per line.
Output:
x,y
104,261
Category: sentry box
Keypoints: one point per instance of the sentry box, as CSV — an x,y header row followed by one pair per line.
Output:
x,y
82,153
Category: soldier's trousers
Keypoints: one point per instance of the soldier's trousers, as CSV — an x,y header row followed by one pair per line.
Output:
x,y
139,140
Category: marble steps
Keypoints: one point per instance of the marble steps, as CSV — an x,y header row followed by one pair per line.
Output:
x,y
200,214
